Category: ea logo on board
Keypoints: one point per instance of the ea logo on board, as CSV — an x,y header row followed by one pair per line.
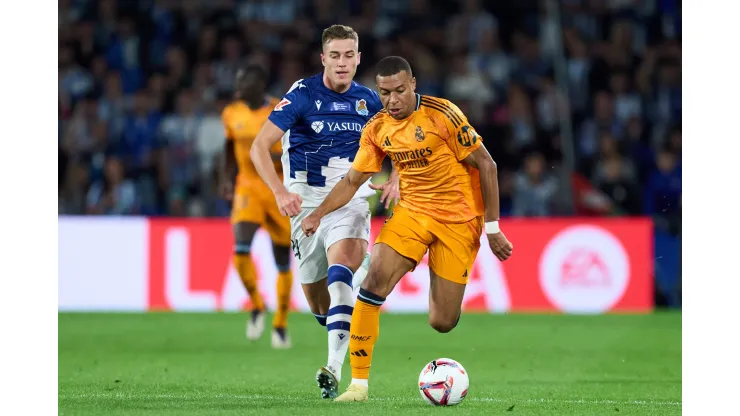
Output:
x,y
584,269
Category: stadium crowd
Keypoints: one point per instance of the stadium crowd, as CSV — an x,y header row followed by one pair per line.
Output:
x,y
142,84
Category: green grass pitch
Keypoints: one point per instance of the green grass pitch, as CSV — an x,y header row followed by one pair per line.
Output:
x,y
201,364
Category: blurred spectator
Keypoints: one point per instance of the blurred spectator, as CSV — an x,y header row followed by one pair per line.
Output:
x,y
178,138
627,103
113,105
74,80
667,94
125,53
638,147
530,65
579,68
602,119
67,14
467,84
552,105
112,194
143,84
506,192
466,28
176,70
521,117
616,182
77,139
674,141
610,152
663,190
490,59
99,150
139,139
534,189
225,69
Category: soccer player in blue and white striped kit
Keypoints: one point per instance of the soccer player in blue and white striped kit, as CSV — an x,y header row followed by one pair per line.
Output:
x,y
320,120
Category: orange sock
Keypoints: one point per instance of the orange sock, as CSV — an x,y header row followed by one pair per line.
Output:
x,y
284,285
245,267
364,331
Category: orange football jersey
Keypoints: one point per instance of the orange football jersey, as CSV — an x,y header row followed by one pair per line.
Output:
x,y
242,124
427,149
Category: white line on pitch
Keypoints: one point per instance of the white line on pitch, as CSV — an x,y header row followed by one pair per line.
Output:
x,y
120,395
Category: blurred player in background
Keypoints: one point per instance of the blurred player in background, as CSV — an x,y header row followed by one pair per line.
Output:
x,y
449,188
319,120
253,205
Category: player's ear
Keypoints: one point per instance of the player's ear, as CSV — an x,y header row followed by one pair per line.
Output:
x,y
413,83
358,57
322,60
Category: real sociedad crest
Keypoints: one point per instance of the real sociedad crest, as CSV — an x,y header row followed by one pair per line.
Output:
x,y
361,107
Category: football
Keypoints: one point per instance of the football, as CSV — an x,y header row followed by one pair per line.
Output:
x,y
443,382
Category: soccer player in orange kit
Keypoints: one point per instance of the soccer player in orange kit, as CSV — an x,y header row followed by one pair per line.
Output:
x,y
449,194
253,205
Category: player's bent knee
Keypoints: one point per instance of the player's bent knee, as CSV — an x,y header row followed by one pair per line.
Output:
x,y
349,252
442,324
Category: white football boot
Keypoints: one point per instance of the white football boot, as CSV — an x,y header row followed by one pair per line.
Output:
x,y
328,382
280,339
255,325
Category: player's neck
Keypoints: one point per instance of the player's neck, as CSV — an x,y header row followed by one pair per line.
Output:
x,y
336,88
254,103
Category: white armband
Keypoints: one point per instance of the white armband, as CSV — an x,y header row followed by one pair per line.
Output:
x,y
492,227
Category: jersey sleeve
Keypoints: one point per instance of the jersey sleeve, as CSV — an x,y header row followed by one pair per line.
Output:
x,y
461,136
291,107
370,156
226,121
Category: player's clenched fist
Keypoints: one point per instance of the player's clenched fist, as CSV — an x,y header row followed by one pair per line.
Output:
x,y
500,246
289,203
310,224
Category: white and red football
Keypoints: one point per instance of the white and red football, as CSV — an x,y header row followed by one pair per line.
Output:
x,y
443,382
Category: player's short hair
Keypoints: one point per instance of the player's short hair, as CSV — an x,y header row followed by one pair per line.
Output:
x,y
257,70
391,65
338,32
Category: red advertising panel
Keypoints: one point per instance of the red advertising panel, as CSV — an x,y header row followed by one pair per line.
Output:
x,y
558,265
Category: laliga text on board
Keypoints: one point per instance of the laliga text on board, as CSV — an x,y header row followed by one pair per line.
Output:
x,y
559,265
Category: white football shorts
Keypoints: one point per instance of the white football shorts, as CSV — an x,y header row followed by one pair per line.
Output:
x,y
350,221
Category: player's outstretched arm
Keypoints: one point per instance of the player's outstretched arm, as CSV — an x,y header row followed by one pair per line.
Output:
x,y
482,160
289,204
337,198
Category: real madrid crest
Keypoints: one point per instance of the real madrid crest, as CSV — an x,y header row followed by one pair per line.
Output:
x,y
419,134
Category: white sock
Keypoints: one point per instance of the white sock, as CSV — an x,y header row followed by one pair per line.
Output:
x,y
338,319
360,381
